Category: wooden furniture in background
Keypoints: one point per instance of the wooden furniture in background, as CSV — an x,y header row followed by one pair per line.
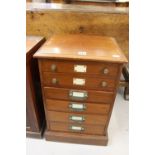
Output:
x,y
79,77
125,83
92,2
34,106
47,20
112,3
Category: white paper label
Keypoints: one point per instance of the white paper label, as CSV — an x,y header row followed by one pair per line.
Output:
x,y
76,128
77,81
80,68
77,106
78,94
77,118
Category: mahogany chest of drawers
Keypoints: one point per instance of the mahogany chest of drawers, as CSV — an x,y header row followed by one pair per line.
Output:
x,y
34,105
79,78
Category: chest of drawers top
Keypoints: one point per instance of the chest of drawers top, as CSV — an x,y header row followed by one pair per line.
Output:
x,y
82,47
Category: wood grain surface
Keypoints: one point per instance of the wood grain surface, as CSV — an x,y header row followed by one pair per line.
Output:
x,y
46,20
93,96
82,47
90,108
72,82
34,106
93,68
65,117
77,138
87,129
59,65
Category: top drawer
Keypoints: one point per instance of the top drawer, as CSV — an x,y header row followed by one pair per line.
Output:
x,y
79,67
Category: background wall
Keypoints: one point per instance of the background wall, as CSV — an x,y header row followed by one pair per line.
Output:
x,y
71,19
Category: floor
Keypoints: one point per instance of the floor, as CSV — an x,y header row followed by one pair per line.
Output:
x,y
118,137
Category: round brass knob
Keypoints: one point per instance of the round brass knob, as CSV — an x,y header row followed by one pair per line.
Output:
x,y
53,67
106,71
104,84
54,81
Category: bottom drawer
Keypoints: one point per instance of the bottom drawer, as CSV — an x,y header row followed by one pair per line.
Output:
x,y
77,128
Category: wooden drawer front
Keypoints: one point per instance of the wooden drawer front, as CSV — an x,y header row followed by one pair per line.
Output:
x,y
69,94
81,82
77,107
99,68
76,118
77,128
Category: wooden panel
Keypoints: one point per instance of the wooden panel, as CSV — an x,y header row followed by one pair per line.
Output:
x,y
87,129
93,68
32,111
63,106
77,138
34,105
63,19
65,117
77,82
93,96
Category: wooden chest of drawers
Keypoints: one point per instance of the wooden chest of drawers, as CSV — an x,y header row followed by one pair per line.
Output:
x,y
35,118
79,77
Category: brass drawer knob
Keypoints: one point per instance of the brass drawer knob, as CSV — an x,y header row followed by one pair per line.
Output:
x,y
106,71
54,81
104,84
53,67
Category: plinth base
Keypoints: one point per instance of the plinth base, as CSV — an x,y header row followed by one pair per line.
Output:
x,y
76,138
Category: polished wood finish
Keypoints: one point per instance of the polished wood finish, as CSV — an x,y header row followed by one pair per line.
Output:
x,y
70,109
63,106
93,68
62,80
34,105
93,96
65,117
87,129
77,138
97,49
